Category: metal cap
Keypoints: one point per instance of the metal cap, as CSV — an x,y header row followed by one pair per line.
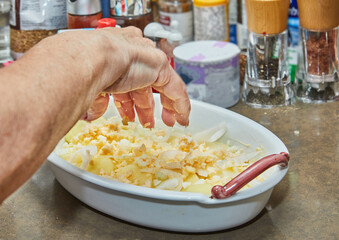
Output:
x,y
83,7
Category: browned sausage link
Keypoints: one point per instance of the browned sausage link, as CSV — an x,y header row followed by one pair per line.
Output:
x,y
249,174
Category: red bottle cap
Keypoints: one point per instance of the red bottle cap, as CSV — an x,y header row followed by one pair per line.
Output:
x,y
106,22
5,64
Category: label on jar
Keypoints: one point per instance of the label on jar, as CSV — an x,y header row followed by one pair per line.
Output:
x,y
12,19
210,23
185,21
39,15
210,82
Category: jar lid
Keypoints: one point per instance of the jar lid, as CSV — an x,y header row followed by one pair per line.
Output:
x,y
106,22
206,51
209,3
83,7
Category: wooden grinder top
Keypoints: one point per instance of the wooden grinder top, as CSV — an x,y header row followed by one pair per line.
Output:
x,y
318,14
267,16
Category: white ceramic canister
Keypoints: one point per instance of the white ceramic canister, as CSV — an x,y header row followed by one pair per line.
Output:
x,y
210,70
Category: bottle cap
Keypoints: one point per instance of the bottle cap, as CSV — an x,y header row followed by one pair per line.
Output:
x,y
209,3
5,64
83,7
106,22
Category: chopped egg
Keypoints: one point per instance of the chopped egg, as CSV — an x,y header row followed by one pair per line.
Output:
x,y
162,158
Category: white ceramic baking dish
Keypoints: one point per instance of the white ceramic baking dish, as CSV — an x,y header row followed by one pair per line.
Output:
x,y
180,211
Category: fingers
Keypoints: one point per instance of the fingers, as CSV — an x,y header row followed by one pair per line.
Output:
x,y
142,101
125,106
98,108
174,98
144,106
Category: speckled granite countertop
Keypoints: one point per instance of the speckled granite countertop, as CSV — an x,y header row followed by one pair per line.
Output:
x,y
303,206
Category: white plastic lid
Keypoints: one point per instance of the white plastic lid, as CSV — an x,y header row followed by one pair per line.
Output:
x,y
206,51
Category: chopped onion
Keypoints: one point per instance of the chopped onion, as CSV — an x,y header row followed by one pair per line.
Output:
x,y
211,134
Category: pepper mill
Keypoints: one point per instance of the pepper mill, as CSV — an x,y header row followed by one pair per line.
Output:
x,y
267,82
318,62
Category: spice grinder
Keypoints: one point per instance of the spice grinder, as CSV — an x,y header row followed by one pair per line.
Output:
x,y
318,61
267,82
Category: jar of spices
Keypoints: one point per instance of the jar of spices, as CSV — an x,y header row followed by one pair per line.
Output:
x,y
136,13
267,83
83,13
318,66
34,20
180,11
211,20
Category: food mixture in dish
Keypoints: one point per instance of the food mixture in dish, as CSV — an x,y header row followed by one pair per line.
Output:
x,y
162,158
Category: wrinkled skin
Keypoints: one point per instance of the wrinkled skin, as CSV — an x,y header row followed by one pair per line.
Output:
x,y
133,91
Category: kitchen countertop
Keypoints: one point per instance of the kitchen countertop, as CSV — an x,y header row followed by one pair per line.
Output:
x,y
304,205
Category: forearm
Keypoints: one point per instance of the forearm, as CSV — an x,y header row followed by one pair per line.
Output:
x,y
50,96
45,92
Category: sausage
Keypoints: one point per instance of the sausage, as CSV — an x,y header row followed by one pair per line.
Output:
x,y
249,174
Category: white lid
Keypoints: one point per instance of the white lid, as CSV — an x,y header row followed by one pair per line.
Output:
x,y
206,51
152,29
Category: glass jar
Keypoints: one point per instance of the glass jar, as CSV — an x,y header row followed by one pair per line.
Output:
x,y
318,66
180,11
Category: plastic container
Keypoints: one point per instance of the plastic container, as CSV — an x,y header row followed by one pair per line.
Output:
x,y
210,70
211,20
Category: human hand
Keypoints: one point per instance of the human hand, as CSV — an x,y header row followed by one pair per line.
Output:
x,y
140,68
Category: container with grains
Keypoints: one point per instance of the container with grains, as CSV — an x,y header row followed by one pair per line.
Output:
x,y
34,20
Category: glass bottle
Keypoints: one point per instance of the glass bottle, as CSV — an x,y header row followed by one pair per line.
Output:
x,y
83,13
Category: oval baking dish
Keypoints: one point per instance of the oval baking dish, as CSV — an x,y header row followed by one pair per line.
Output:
x,y
180,211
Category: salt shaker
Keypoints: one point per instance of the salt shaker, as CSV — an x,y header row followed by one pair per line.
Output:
x,y
267,83
318,64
